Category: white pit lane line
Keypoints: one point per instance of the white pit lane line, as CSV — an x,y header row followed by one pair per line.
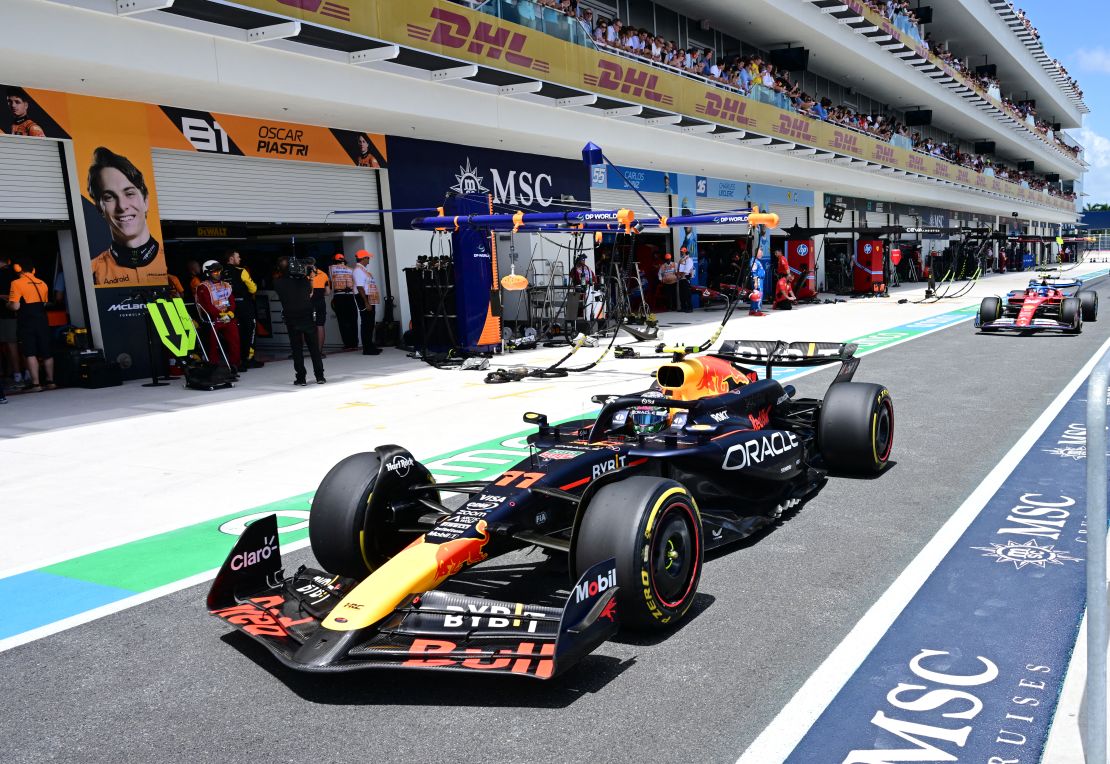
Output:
x,y
787,729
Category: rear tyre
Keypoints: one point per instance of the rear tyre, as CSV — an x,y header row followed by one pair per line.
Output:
x,y
990,310
1071,313
1088,301
652,527
341,539
855,430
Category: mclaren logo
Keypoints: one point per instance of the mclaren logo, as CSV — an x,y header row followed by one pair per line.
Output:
x,y
125,307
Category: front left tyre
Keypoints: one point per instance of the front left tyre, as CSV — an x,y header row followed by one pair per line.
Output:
x,y
652,528
990,310
1088,301
349,527
1071,313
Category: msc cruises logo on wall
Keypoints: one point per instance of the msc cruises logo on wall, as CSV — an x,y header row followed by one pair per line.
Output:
x,y
1029,553
469,181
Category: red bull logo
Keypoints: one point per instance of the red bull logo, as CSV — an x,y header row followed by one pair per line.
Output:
x,y
760,419
628,80
523,659
795,128
258,618
723,107
452,556
485,39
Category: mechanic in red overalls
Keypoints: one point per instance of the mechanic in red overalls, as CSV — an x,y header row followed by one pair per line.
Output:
x,y
217,308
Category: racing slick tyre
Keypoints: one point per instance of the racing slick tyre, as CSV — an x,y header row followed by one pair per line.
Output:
x,y
855,429
1088,301
652,527
1071,313
990,310
337,520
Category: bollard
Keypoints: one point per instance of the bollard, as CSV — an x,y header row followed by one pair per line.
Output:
x,y
1096,562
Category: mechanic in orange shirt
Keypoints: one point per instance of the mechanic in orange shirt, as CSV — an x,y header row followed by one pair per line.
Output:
x,y
320,287
216,305
343,301
27,297
18,104
118,190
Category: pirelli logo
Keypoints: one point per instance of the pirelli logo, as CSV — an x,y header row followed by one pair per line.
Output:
x,y
627,80
846,141
795,128
722,107
484,39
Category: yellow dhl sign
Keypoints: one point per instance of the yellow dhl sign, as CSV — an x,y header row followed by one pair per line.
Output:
x,y
448,29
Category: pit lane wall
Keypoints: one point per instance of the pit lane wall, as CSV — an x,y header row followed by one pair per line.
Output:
x,y
448,29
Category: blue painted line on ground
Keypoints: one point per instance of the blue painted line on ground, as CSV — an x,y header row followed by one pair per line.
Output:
x,y
35,599
973,666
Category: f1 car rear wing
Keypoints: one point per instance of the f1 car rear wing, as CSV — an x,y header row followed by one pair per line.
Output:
x,y
779,353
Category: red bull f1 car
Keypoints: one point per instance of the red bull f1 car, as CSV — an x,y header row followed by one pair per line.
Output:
x,y
633,498
1045,305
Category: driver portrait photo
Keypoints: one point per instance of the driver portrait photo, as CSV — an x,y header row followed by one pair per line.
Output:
x,y
18,104
365,158
118,190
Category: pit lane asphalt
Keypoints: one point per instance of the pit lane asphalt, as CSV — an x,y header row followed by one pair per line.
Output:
x,y
165,682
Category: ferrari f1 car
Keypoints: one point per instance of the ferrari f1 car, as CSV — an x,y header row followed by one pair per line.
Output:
x,y
1045,305
633,497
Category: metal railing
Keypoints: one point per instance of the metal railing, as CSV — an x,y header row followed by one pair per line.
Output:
x,y
1095,737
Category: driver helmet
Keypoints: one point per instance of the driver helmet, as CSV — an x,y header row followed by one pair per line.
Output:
x,y
648,419
212,268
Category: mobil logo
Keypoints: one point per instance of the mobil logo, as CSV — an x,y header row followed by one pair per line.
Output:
x,y
588,589
628,80
723,107
796,128
483,39
845,141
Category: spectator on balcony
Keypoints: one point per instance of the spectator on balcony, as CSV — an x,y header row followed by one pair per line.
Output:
x,y
613,33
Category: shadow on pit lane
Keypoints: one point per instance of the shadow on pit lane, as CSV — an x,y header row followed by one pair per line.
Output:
x,y
406,687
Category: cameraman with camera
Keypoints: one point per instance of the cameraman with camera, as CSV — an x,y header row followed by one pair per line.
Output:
x,y
294,289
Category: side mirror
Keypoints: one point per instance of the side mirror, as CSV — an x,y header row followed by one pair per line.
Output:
x,y
539,420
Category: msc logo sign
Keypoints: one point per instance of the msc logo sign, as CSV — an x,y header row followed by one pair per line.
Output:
x,y
796,128
323,7
628,80
884,154
722,107
485,39
843,141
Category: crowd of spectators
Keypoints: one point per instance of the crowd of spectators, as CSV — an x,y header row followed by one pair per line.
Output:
x,y
1024,19
756,78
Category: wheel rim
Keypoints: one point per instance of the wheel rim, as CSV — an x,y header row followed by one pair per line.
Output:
x,y
884,431
674,556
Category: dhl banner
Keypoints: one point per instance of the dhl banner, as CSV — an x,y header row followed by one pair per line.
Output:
x,y
438,26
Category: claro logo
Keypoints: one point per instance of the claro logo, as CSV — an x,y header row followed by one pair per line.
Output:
x,y
247,559
483,39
